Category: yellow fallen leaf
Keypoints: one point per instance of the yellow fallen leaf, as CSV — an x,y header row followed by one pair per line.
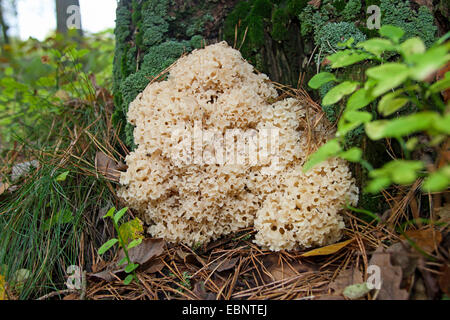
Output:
x,y
327,250
2,289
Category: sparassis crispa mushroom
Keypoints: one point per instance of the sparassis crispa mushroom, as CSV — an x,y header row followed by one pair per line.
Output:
x,y
192,187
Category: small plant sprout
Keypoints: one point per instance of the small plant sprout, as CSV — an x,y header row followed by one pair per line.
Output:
x,y
131,267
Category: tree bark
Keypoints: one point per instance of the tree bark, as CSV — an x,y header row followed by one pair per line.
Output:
x,y
3,24
155,30
66,17
151,35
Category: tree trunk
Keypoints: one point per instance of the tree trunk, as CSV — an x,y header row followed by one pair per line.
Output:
x,y
152,34
68,16
4,27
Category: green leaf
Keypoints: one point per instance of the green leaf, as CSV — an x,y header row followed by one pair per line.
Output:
x,y
352,155
443,39
20,279
320,79
346,58
328,150
378,184
62,176
131,267
119,215
375,129
359,99
405,175
386,71
134,243
400,127
346,44
356,291
377,46
402,172
370,84
350,120
392,32
110,213
437,181
429,62
412,143
389,76
108,245
440,85
122,262
390,103
60,218
131,230
442,124
345,127
412,46
357,116
339,91
128,279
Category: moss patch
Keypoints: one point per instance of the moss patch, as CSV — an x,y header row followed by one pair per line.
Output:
x,y
151,35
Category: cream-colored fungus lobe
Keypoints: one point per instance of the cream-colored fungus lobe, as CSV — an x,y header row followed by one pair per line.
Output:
x,y
190,199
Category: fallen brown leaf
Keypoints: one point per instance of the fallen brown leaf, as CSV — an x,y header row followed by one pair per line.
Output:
x,y
72,296
3,188
427,239
190,258
201,293
391,277
419,290
156,266
429,279
444,213
404,256
444,280
315,3
346,278
107,275
145,255
220,266
279,270
107,167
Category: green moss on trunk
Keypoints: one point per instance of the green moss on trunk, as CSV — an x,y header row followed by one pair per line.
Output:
x,y
151,35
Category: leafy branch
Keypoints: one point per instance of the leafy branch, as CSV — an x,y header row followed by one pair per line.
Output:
x,y
393,85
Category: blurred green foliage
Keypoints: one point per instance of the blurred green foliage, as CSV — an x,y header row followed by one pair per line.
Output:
x,y
38,77
54,98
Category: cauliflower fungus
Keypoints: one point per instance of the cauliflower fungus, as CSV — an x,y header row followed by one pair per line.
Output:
x,y
216,154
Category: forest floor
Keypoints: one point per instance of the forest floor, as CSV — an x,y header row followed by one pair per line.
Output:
x,y
382,258
59,176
